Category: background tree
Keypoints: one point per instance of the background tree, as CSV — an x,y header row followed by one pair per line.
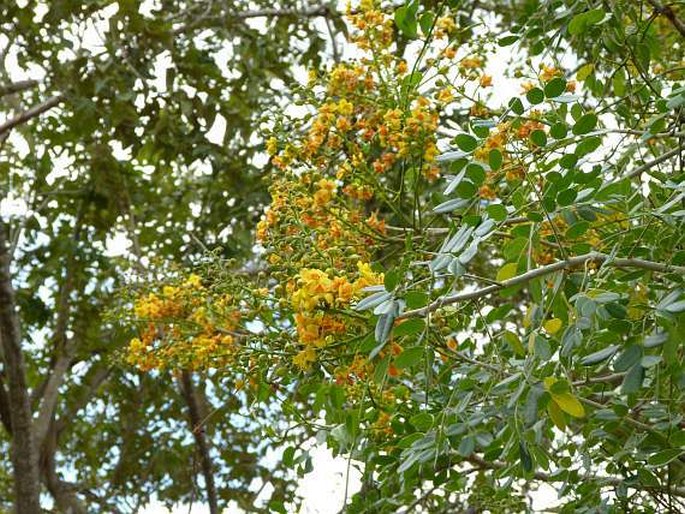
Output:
x,y
106,139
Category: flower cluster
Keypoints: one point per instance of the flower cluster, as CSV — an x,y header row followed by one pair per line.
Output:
x,y
314,297
184,325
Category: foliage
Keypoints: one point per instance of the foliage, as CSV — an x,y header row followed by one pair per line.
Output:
x,y
479,292
106,108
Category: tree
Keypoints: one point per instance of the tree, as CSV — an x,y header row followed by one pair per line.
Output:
x,y
481,294
107,140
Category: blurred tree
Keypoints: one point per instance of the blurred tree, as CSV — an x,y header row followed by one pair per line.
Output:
x,y
106,140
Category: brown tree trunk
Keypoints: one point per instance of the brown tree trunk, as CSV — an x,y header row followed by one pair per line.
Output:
x,y
24,454
196,421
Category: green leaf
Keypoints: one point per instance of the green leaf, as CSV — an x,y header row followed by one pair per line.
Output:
x,y
538,137
422,421
507,271
409,327
497,212
555,87
616,310
567,197
581,22
664,456
628,358
569,404
516,106
556,415
495,159
568,161
619,82
585,71
416,299
585,124
558,130
405,19
535,96
514,342
577,229
632,382
466,142
587,146
600,356
391,279
466,446
507,40
426,22
524,456
410,357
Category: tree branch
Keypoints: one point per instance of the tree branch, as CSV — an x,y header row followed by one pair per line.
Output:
x,y
648,165
64,495
17,87
50,396
605,481
31,113
196,427
99,376
667,11
63,349
570,263
209,21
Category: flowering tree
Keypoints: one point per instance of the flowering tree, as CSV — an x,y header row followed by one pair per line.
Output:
x,y
109,113
469,291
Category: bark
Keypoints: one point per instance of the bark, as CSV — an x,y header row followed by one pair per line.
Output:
x,y
17,87
24,454
195,418
31,113
64,494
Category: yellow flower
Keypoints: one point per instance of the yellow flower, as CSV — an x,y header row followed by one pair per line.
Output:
x,y
193,281
446,95
345,108
305,358
272,146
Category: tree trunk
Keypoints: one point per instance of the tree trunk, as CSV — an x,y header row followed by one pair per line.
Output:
x,y
196,421
24,455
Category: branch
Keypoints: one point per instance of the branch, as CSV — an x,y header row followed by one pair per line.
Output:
x,y
648,165
31,113
62,348
17,87
208,21
572,262
546,477
50,396
666,11
99,376
62,492
195,418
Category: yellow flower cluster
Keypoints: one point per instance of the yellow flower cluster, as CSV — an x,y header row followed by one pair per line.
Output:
x,y
313,295
180,330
